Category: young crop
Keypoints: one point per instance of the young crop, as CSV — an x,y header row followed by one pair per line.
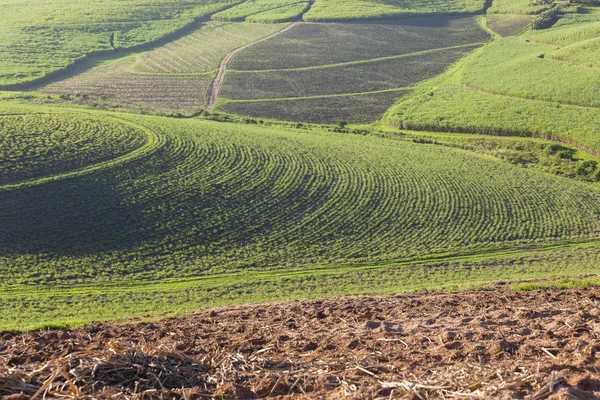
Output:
x,y
41,39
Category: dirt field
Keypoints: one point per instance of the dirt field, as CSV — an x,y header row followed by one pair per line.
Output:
x,y
481,344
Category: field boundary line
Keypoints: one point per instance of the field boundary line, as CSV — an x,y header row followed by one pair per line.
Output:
x,y
214,90
153,142
476,89
133,285
325,96
358,62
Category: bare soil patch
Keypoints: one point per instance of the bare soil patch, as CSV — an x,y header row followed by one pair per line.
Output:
x,y
480,344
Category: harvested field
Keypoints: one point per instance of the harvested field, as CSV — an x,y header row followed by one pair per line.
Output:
x,y
355,108
479,344
317,44
368,76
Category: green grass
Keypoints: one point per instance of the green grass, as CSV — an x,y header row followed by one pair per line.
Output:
x,y
350,10
586,53
514,67
356,109
27,308
517,7
563,284
38,39
35,145
308,45
220,198
369,76
269,11
454,108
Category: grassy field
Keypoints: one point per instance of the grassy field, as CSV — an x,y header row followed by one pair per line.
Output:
x,y
269,11
173,78
518,68
221,198
40,38
349,10
211,213
513,86
24,307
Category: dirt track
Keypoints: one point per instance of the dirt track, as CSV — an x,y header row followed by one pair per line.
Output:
x,y
481,344
214,90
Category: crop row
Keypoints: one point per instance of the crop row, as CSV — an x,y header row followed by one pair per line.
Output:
x,y
115,86
368,76
349,10
35,145
202,50
42,38
216,198
359,108
264,11
307,45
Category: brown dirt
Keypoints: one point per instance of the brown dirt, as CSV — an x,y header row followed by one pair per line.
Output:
x,y
480,344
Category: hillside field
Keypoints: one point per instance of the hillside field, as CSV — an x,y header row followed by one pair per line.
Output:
x,y
161,157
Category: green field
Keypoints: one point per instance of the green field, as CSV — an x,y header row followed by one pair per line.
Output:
x,y
37,38
189,172
205,199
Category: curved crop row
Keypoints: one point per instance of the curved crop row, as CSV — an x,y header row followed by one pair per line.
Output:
x,y
36,145
222,198
202,50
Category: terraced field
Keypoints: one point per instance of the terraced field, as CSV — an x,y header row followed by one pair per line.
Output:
x,y
539,93
366,64
173,78
211,199
40,38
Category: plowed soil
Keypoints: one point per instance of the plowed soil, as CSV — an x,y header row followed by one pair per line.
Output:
x,y
480,344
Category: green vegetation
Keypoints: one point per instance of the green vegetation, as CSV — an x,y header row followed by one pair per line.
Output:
x,y
24,307
517,68
215,198
270,11
39,39
36,145
349,10
202,50
567,283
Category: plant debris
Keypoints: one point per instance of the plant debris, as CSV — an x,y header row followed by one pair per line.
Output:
x,y
484,344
